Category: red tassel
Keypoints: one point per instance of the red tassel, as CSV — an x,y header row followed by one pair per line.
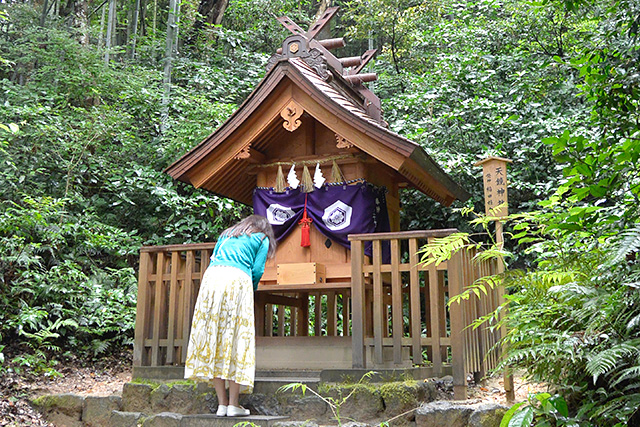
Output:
x,y
305,223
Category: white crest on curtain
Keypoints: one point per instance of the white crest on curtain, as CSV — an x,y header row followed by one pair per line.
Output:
x,y
318,179
337,216
278,214
292,179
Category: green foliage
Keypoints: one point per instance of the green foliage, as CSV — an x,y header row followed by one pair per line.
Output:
x,y
540,409
553,85
251,26
52,294
474,79
82,187
573,317
572,323
579,332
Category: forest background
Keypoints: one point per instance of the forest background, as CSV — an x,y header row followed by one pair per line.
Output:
x,y
98,97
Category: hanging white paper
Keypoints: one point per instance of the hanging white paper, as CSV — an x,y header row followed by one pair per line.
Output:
x,y
292,179
318,179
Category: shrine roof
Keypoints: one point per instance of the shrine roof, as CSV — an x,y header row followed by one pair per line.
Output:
x,y
313,80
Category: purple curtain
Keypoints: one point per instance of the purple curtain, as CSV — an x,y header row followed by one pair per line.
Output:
x,y
336,210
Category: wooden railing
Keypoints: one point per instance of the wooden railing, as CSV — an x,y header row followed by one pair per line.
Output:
x,y
403,305
394,313
168,284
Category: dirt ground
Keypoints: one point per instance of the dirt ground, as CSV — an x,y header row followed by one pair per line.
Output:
x,y
107,377
99,379
492,390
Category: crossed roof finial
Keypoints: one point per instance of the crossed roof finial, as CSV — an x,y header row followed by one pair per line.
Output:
x,y
316,53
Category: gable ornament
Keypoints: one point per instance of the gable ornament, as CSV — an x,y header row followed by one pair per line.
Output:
x,y
342,142
291,114
244,154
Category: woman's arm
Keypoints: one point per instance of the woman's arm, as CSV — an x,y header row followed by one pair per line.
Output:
x,y
258,266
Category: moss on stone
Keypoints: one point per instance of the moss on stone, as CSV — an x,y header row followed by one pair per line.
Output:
x,y
153,384
403,391
58,401
69,405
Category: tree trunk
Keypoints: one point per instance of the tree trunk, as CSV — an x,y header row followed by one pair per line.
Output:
x,y
45,11
155,16
141,19
324,4
172,33
209,12
127,36
136,17
80,20
101,38
111,26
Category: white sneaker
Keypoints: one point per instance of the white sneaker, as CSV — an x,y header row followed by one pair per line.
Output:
x,y
237,411
222,411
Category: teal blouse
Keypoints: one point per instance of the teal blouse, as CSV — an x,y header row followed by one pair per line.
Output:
x,y
246,252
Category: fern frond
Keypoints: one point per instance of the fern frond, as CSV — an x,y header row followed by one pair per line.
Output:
x,y
633,323
630,243
632,373
626,404
491,254
98,347
606,360
478,288
573,288
553,278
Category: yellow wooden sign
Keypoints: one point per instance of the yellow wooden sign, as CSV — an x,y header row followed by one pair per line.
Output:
x,y
494,171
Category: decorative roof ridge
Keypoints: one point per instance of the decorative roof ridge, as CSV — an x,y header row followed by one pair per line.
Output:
x,y
337,84
316,54
338,88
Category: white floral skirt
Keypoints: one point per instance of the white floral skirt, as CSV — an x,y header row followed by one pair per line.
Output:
x,y
222,340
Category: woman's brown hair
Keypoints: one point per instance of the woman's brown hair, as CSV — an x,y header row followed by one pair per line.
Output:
x,y
250,225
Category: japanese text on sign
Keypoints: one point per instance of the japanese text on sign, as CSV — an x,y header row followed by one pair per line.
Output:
x,y
495,186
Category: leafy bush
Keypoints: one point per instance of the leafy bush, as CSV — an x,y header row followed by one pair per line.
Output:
x,y
54,293
574,324
82,187
541,409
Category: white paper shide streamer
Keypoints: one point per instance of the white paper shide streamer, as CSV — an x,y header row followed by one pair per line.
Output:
x,y
318,179
292,179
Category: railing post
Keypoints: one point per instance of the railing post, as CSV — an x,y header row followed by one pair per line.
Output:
x,y
434,321
379,314
142,309
187,302
414,303
358,359
397,317
457,326
173,297
158,309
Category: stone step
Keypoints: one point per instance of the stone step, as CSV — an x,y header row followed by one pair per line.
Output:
x,y
270,385
170,419
284,373
171,373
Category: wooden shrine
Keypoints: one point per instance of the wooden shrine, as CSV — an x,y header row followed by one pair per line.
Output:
x,y
313,109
